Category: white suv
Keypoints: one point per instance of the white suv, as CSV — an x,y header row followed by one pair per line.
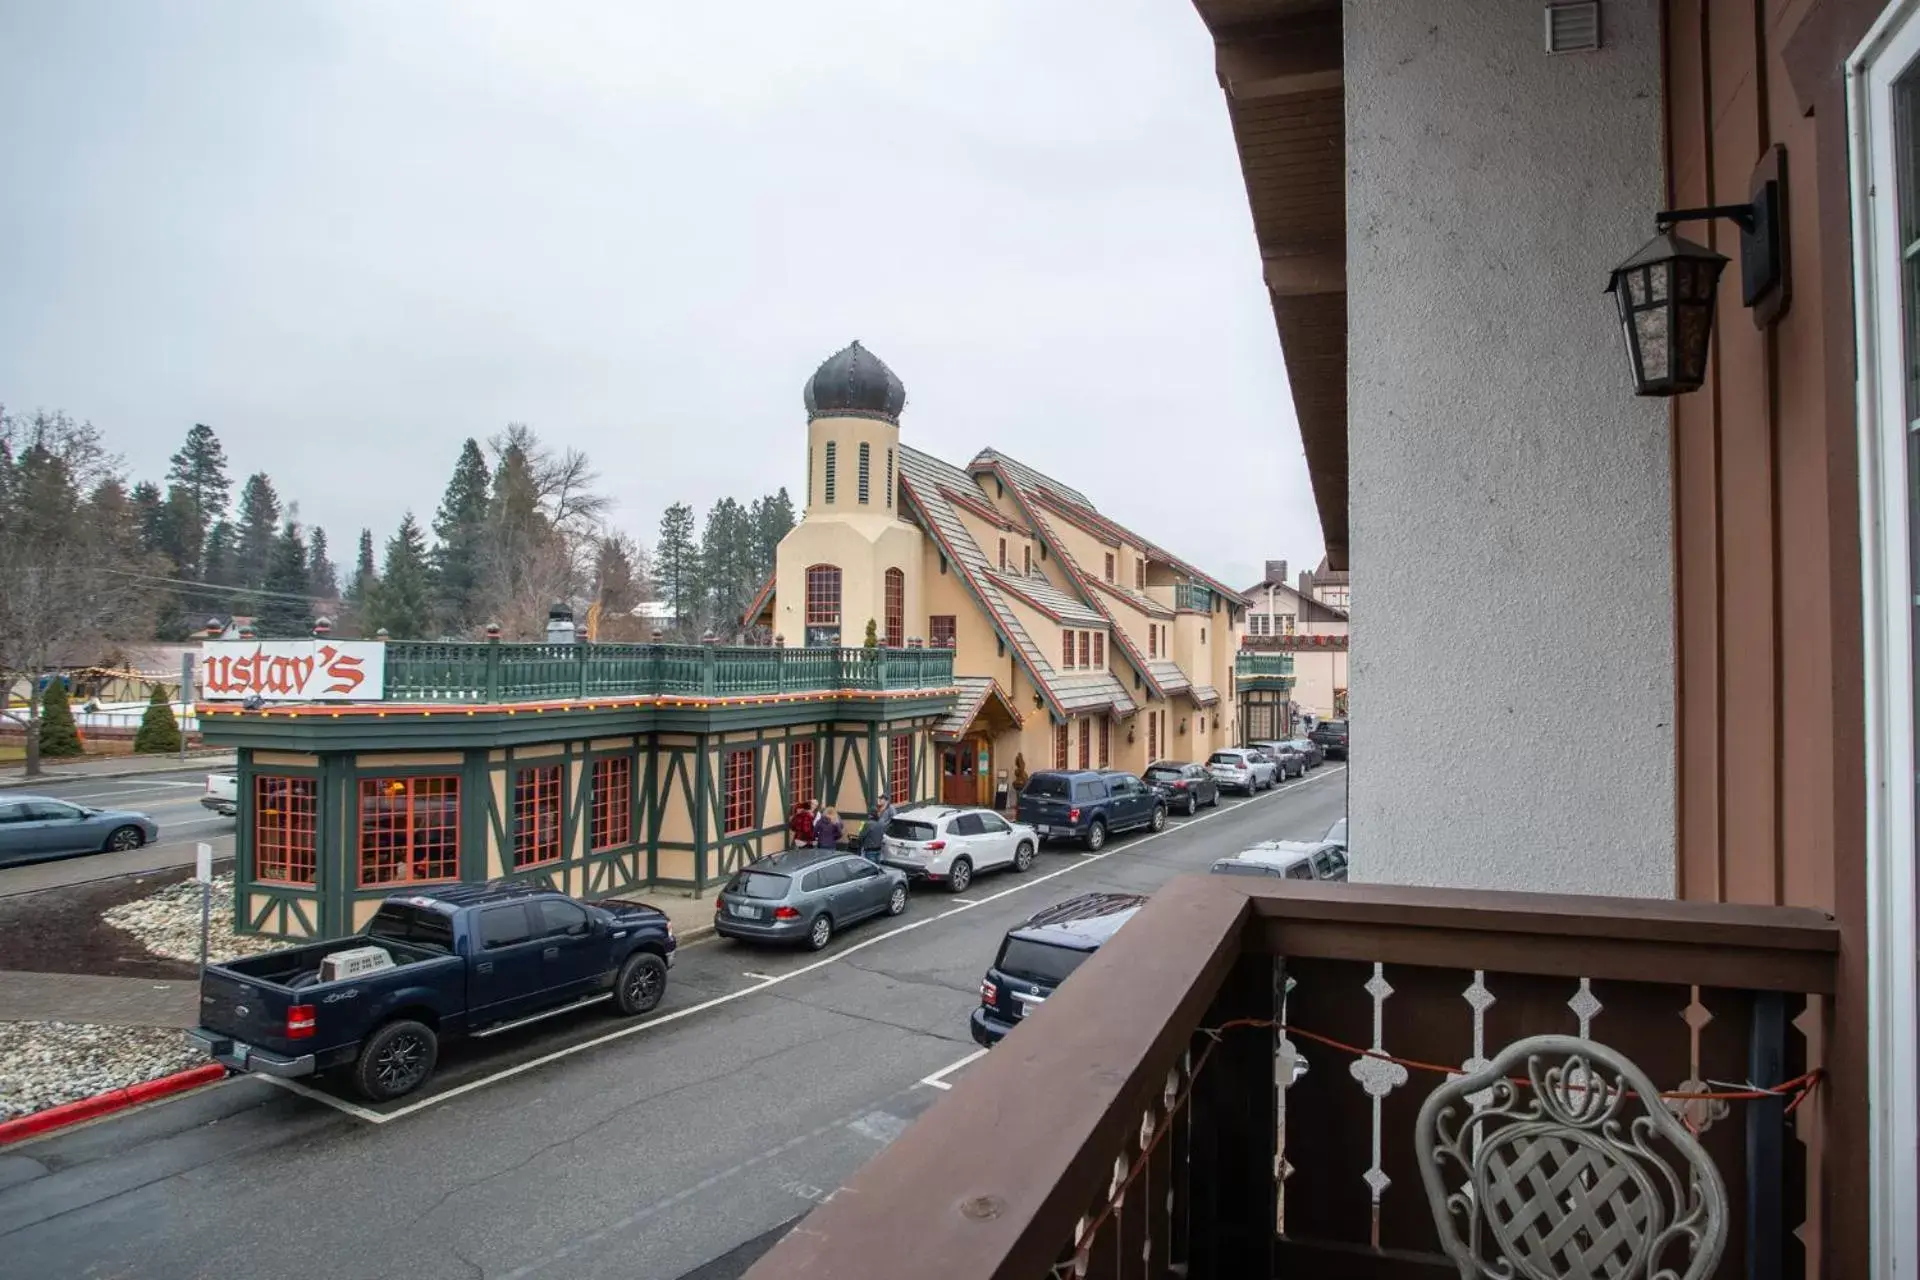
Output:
x,y
940,843
1238,769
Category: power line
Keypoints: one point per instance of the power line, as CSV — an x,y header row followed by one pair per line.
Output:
x,y
256,593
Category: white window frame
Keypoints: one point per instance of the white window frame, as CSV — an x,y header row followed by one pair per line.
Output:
x,y
1891,48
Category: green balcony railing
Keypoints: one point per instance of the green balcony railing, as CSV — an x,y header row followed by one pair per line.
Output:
x,y
1189,595
1255,666
424,671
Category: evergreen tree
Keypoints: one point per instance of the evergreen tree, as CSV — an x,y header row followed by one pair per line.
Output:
x,y
259,530
59,736
159,732
323,583
873,635
676,564
461,527
149,507
199,472
364,575
285,610
773,520
402,601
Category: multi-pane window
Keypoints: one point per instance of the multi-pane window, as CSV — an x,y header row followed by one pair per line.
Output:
x,y
1139,570
1066,649
940,630
536,815
1106,742
1086,745
612,802
866,465
829,476
1099,649
1153,640
889,479
896,608
1026,559
1153,736
800,770
737,788
1086,648
900,767
1259,624
1003,555
1109,566
285,812
823,595
409,829
1060,746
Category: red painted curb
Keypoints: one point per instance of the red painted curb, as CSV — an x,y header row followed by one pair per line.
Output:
x,y
100,1104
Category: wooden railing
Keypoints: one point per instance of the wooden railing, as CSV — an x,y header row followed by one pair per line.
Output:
x,y
492,672
1150,1122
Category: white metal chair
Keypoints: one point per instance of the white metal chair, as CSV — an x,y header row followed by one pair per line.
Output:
x,y
1581,1174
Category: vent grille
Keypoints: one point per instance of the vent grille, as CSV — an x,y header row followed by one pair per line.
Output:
x,y
1573,26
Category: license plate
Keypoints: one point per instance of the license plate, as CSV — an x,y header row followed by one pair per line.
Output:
x,y
745,913
1043,829
241,1052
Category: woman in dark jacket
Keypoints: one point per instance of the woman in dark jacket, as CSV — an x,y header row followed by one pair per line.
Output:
x,y
827,829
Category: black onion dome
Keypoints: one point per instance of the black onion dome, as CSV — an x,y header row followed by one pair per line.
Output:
x,y
855,383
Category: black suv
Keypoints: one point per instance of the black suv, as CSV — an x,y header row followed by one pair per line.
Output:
x,y
1183,786
1088,805
1037,956
1332,737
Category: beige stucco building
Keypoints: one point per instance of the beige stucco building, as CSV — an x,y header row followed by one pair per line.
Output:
x,y
1078,643
1309,621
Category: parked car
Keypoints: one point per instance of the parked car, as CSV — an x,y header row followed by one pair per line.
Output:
x,y
1292,763
1337,834
455,960
1038,955
1088,805
1332,737
1287,860
806,895
36,827
1316,754
949,845
1183,786
222,794
1240,769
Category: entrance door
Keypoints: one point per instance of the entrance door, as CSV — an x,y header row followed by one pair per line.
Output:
x,y
959,774
1884,106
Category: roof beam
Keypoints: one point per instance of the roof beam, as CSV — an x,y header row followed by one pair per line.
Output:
x,y
1302,58
1306,267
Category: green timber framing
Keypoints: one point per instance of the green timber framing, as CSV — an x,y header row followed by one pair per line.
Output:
x,y
1265,682
677,746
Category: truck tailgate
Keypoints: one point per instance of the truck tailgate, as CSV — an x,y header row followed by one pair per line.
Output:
x,y
249,1011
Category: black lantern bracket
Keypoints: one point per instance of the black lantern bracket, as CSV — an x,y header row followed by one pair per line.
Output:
x,y
1763,236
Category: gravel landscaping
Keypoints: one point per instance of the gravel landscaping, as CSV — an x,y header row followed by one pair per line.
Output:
x,y
167,923
43,1064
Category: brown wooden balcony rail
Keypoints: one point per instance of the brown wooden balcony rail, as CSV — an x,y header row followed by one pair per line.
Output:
x,y
1125,1134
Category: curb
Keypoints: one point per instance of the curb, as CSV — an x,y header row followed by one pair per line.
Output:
x,y
100,1104
174,765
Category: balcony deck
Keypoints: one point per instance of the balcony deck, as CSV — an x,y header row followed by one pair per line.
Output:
x,y
1136,1128
1253,668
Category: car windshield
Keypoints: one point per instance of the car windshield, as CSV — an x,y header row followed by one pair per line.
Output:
x,y
1337,833
1225,757
421,926
759,884
1334,728
1048,785
1164,771
909,829
1039,962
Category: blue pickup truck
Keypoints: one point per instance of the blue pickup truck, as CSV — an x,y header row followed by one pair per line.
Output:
x,y
457,960
1088,805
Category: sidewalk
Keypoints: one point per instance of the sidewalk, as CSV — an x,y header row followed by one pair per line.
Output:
x,y
108,768
114,1002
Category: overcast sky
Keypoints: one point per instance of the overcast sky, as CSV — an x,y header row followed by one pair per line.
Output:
x,y
349,235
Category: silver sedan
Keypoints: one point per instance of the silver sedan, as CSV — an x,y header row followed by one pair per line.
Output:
x,y
36,827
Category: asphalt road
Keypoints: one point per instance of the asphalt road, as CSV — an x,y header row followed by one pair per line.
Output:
x,y
171,799
599,1148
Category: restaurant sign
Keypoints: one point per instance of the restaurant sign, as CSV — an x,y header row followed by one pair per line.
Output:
x,y
293,670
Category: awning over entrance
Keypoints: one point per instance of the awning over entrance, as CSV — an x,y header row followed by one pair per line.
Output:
x,y
984,707
1204,695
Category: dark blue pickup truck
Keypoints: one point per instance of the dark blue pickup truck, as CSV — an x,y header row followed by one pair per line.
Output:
x,y
457,960
1088,805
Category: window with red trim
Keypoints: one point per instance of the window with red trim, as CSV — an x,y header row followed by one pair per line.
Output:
x,y
1066,649
285,814
1153,736
1003,555
940,630
1086,745
1060,746
737,787
536,815
1109,566
1026,555
612,803
1086,648
1106,741
900,768
1099,649
409,829
823,595
1153,641
896,609
800,770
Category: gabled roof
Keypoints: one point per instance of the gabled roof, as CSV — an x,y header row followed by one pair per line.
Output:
x,y
761,600
981,507
1145,604
1307,604
975,692
1049,599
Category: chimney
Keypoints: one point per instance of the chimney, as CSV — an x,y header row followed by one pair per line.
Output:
x,y
1277,572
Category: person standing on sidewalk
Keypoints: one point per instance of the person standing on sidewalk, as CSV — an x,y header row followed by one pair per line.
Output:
x,y
800,826
873,836
827,829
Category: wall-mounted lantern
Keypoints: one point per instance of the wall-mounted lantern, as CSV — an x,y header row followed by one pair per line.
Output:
x,y
1667,291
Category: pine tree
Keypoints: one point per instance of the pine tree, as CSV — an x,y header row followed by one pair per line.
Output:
x,y
149,507
285,610
259,530
727,564
402,602
461,527
364,575
199,472
159,732
59,736
323,583
772,520
676,564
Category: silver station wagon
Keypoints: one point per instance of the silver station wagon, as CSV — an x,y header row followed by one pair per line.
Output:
x,y
806,895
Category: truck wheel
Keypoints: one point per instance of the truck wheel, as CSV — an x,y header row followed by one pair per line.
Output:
x,y
642,981
1159,820
395,1060
1096,836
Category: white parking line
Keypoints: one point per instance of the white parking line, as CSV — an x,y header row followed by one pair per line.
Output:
x,y
1025,882
938,1079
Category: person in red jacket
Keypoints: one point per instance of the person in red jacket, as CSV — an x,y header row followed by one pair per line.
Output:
x,y
800,826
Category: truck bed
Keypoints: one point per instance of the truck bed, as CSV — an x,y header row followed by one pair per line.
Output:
x,y
285,969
